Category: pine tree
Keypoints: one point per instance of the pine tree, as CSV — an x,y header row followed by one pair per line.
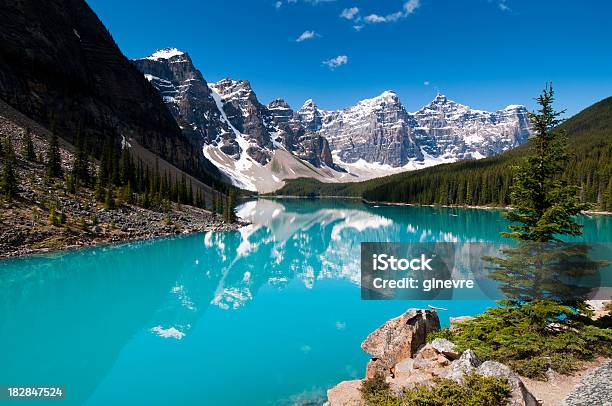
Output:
x,y
8,180
125,170
190,194
543,205
80,166
28,146
109,201
53,166
230,215
99,192
220,203
213,199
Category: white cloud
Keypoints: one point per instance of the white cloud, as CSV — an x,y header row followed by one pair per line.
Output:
x,y
408,8
375,18
503,6
280,3
350,13
306,35
411,5
426,83
333,63
358,27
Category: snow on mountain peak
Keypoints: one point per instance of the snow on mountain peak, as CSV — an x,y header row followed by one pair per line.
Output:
x,y
165,53
308,105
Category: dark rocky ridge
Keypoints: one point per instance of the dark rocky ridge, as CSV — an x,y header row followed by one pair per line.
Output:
x,y
298,138
60,66
187,95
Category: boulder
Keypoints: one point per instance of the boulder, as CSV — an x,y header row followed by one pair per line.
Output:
x,y
427,352
455,322
520,396
375,366
445,347
467,363
401,337
346,393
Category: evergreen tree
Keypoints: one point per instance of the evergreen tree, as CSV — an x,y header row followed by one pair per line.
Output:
x,y
219,203
230,203
541,268
80,166
213,199
109,201
28,146
190,194
53,166
100,192
544,205
125,172
8,180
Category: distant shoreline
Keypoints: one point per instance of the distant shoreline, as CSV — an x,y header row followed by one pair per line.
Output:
x,y
372,202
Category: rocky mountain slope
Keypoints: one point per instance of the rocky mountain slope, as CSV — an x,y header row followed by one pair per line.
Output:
x,y
258,147
255,146
60,66
379,132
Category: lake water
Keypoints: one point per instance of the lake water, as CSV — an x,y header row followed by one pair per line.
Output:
x,y
268,315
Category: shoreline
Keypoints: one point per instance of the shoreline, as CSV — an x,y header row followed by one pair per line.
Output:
x,y
446,206
25,230
22,253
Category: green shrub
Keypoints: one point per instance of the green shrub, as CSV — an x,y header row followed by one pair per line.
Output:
x,y
533,337
376,390
443,333
476,390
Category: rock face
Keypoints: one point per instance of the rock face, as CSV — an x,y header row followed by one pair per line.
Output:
x,y
377,130
60,66
248,116
445,347
400,338
520,396
400,354
187,95
452,130
346,393
298,138
381,131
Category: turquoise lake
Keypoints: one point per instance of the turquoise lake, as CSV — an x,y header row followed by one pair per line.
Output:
x,y
269,315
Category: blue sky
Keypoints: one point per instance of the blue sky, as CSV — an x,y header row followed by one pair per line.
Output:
x,y
484,53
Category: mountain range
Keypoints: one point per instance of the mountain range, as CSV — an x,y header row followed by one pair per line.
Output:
x,y
258,147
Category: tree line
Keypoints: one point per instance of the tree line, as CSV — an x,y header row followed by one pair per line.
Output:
x,y
118,179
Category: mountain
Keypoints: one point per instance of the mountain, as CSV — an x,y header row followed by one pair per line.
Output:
x,y
259,147
256,147
486,182
60,66
379,133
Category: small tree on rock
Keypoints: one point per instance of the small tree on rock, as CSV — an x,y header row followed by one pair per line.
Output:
x,y
53,165
8,180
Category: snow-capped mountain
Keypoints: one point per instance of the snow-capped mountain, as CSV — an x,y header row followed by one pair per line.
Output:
x,y
453,131
258,147
379,133
187,95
